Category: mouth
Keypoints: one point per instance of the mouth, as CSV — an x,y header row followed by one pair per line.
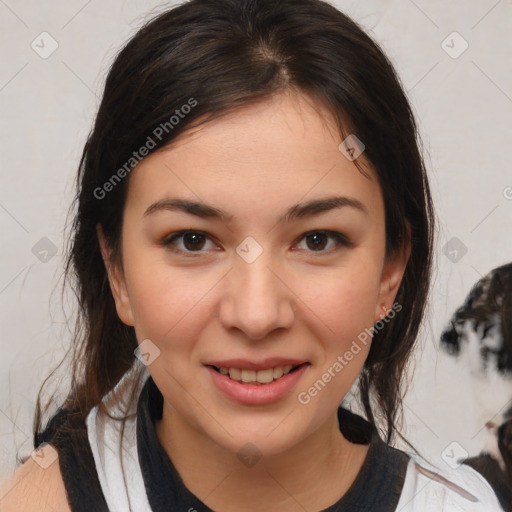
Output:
x,y
257,377
251,383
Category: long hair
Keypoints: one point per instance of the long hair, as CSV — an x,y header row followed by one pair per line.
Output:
x,y
224,54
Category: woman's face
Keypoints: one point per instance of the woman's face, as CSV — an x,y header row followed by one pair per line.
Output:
x,y
261,281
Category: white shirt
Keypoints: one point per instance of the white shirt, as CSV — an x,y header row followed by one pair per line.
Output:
x,y
425,488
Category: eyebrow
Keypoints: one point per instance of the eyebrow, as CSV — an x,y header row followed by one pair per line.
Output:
x,y
300,210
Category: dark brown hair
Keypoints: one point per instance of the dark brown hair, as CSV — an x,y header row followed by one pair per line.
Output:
x,y
224,54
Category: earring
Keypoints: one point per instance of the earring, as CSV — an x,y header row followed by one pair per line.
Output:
x,y
385,311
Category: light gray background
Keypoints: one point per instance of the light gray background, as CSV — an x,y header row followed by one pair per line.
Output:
x,y
463,106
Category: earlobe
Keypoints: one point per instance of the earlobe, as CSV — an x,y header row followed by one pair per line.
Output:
x,y
116,280
392,274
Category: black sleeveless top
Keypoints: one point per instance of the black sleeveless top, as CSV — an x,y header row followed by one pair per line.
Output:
x,y
377,487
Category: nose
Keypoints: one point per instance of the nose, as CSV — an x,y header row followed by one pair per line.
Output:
x,y
257,299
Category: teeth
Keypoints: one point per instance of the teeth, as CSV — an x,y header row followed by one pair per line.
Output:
x,y
235,373
261,376
265,376
248,376
278,372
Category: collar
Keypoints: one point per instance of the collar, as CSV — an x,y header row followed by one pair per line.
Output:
x,y
377,487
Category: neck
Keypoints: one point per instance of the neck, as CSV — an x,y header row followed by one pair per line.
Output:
x,y
312,475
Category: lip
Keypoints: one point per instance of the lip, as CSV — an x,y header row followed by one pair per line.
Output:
x,y
265,364
257,394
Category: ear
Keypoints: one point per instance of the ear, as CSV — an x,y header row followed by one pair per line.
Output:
x,y
116,279
391,277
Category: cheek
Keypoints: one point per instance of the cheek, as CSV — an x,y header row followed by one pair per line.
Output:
x,y
170,308
344,300
343,303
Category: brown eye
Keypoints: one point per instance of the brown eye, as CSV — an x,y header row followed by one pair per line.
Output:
x,y
316,241
191,241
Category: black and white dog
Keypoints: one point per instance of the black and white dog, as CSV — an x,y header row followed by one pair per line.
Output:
x,y
480,332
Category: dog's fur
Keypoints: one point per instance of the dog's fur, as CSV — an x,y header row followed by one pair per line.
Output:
x,y
482,327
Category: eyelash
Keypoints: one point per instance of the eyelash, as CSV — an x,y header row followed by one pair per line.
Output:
x,y
342,241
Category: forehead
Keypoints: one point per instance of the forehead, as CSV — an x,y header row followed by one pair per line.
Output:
x,y
259,158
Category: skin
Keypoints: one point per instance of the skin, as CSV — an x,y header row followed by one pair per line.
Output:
x,y
294,300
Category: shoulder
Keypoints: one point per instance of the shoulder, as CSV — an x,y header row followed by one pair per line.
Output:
x,y
35,487
60,475
460,489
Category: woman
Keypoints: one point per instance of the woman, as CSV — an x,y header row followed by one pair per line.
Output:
x,y
253,234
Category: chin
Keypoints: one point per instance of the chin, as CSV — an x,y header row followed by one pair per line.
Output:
x,y
265,437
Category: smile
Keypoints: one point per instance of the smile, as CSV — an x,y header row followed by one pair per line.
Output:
x,y
261,386
257,377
